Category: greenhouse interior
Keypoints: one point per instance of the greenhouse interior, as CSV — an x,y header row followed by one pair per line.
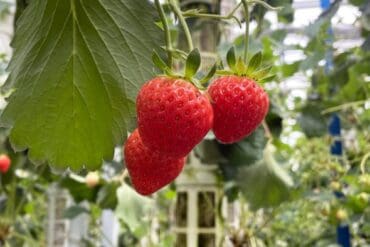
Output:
x,y
184,123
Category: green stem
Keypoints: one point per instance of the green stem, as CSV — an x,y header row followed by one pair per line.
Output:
x,y
246,36
166,31
229,16
266,5
344,106
235,9
183,23
267,130
206,15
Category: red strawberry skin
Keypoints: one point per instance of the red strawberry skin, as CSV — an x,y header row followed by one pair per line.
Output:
x,y
149,171
4,163
239,106
173,116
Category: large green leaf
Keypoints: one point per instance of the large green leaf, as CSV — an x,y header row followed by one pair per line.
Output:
x,y
325,17
76,70
266,183
107,196
312,122
74,211
246,152
357,87
208,151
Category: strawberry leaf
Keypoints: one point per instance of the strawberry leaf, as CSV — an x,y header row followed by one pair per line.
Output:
x,y
254,63
198,84
240,67
231,58
267,78
77,68
224,72
192,63
157,60
210,74
266,183
262,72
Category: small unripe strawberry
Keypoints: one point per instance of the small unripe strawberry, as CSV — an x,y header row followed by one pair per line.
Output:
x,y
92,179
364,197
4,163
365,180
173,116
149,170
341,215
336,186
239,106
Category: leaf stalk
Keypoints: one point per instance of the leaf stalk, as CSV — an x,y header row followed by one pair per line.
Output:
x,y
176,9
166,31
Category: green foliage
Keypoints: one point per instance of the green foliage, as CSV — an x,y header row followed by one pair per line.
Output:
x,y
231,58
76,75
74,211
79,191
312,122
254,62
264,184
247,151
192,63
315,28
357,86
107,196
158,61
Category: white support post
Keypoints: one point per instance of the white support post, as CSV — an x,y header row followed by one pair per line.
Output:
x,y
109,229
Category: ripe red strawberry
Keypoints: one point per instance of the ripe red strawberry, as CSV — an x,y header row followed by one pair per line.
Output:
x,y
4,163
173,116
149,170
239,106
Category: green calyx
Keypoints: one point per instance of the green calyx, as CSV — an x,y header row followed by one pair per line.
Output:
x,y
252,69
192,65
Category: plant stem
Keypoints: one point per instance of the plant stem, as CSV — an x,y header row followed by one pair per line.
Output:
x,y
123,176
166,31
344,106
77,178
266,5
206,15
183,23
229,16
246,36
267,130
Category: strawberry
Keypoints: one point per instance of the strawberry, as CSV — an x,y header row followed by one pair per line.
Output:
x,y
239,106
173,116
4,163
149,170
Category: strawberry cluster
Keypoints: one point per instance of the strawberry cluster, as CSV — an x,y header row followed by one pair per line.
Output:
x,y
174,116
